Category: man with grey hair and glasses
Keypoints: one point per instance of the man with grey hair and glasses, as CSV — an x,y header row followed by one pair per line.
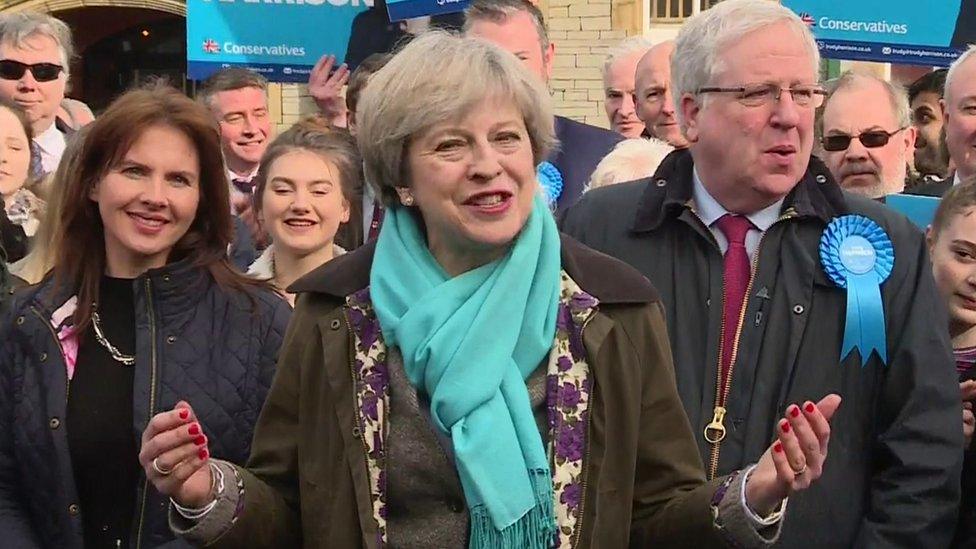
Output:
x,y
762,299
517,26
867,134
35,52
618,85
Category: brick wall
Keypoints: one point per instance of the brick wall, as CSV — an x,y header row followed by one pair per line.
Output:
x,y
583,32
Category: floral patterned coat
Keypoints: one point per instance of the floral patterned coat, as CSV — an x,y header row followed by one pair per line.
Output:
x,y
625,467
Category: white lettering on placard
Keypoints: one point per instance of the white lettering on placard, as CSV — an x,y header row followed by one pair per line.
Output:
x,y
247,49
878,27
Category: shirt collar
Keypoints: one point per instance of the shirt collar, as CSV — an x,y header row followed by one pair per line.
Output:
x,y
710,210
231,176
48,140
955,179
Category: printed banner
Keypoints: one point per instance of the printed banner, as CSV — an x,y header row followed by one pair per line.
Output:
x,y
890,31
280,39
407,9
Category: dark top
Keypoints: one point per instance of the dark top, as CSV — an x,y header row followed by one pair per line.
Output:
x,y
104,451
892,476
12,238
966,529
581,148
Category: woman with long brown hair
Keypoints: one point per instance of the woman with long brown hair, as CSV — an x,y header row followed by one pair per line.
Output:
x,y
141,306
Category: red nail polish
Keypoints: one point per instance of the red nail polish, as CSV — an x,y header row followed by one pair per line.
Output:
x,y
785,427
200,440
810,407
184,413
194,429
795,411
778,448
203,454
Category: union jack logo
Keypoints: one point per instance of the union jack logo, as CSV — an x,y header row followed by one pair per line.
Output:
x,y
211,46
808,19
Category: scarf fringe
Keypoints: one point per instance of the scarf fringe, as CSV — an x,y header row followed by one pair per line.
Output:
x,y
535,530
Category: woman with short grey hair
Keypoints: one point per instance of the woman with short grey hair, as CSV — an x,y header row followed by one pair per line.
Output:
x,y
473,378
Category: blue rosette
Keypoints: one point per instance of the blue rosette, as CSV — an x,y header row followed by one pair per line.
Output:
x,y
857,255
551,182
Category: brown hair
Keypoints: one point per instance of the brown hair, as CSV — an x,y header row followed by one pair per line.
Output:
x,y
360,76
336,146
80,238
233,78
957,199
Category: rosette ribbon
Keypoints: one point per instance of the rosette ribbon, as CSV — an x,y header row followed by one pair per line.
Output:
x,y
857,255
551,182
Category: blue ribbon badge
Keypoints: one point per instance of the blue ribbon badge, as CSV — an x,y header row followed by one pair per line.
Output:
x,y
857,254
551,182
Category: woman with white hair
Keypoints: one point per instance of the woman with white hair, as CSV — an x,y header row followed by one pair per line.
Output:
x,y
472,378
630,160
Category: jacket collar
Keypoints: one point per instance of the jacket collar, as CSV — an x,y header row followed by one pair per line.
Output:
x,y
605,278
176,286
670,190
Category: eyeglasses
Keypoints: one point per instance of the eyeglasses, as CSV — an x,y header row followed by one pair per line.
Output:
x,y
757,95
871,139
43,72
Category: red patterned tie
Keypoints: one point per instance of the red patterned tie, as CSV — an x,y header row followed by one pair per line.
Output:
x,y
735,278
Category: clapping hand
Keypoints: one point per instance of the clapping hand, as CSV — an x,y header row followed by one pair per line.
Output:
x,y
175,457
967,390
794,461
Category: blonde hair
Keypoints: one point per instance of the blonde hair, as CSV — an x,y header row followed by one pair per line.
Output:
x,y
630,160
40,259
436,78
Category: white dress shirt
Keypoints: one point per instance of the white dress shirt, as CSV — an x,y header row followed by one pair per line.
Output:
x,y
51,144
709,210
235,194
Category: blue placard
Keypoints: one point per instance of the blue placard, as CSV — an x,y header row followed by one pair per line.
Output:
x,y
406,9
281,39
891,31
920,210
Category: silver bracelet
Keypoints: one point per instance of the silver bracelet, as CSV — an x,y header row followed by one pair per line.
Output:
x,y
768,520
216,489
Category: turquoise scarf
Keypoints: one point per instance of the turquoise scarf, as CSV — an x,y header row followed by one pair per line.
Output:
x,y
470,342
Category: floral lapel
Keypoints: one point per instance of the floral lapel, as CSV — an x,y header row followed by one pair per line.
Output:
x,y
372,385
567,395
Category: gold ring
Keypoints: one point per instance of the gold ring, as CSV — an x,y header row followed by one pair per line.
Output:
x,y
160,470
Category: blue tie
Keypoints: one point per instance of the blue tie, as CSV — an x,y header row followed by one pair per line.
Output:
x,y
36,168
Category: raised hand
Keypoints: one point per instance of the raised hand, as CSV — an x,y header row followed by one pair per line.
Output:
x,y
325,89
796,460
175,457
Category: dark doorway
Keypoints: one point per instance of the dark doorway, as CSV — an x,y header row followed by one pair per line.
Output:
x,y
119,48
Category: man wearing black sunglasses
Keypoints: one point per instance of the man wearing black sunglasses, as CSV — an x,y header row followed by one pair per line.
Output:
x,y
868,138
34,53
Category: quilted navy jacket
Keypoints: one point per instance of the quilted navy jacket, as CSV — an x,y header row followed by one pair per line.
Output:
x,y
194,342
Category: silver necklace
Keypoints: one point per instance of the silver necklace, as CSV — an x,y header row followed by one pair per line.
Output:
x,y
125,360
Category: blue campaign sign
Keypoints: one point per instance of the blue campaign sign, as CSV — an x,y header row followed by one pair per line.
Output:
x,y
891,31
405,9
281,39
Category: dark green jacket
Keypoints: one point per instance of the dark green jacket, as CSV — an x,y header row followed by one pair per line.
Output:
x,y
308,484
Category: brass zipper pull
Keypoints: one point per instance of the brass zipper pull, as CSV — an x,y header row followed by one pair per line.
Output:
x,y
715,431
